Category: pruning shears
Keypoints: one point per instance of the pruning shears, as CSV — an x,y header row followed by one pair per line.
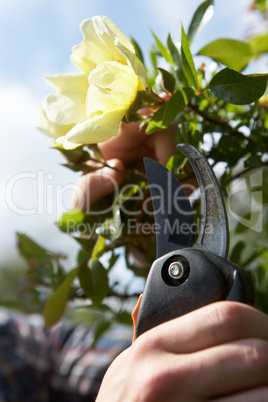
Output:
x,y
188,275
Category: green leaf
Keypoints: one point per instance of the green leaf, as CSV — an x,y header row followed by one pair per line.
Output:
x,y
163,50
175,163
97,152
229,149
168,81
128,192
30,249
113,260
253,161
111,228
77,155
176,56
233,53
138,51
124,318
100,329
93,279
187,60
234,87
237,252
106,229
259,43
117,225
56,303
201,17
98,249
69,221
136,105
153,56
164,116
265,188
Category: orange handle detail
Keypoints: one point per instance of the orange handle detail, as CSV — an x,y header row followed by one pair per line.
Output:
x,y
134,316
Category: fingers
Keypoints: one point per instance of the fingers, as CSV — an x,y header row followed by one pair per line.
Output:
x,y
164,144
228,368
127,145
132,144
200,376
219,352
254,395
209,326
93,186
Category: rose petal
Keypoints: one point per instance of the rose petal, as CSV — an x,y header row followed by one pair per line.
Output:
x,y
98,129
112,86
135,63
98,44
119,34
65,109
66,144
50,129
69,83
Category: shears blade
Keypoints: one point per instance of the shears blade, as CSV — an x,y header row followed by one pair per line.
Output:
x,y
172,210
214,232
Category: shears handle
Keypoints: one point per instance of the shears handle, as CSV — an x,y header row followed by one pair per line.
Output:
x,y
182,281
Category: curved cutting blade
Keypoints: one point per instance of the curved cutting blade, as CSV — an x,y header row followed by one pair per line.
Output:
x,y
172,210
213,233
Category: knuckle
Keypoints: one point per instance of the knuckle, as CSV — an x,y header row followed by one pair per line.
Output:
x,y
141,347
256,353
158,383
157,374
228,316
149,341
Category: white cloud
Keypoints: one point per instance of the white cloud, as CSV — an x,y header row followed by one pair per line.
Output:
x,y
30,173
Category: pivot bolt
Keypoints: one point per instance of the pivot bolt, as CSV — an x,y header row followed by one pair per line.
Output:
x,y
176,270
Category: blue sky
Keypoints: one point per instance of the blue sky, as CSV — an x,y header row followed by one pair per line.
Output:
x,y
36,37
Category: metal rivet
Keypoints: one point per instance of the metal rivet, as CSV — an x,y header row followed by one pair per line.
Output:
x,y
176,270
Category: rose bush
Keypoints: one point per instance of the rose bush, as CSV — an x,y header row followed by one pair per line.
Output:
x,y
88,107
219,110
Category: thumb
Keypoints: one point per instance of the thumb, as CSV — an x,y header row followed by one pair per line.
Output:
x,y
91,187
